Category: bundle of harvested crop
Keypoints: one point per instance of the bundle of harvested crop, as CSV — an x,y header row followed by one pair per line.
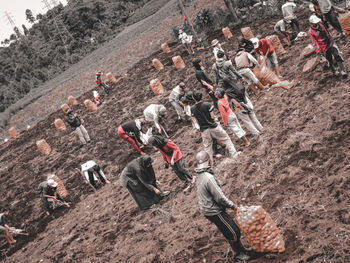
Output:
x,y
259,229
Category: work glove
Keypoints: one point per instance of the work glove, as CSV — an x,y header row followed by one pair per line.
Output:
x,y
172,161
166,166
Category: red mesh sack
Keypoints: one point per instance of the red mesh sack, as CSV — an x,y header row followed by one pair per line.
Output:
x,y
344,20
43,147
178,62
276,43
247,32
59,124
61,189
157,64
265,75
259,229
13,132
157,86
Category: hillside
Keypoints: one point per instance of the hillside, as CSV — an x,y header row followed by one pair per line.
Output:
x,y
59,39
298,171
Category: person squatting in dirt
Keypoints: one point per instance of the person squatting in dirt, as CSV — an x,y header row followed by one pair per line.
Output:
x,y
88,170
5,230
244,63
325,46
281,30
213,203
139,178
329,13
186,40
288,15
210,129
243,106
130,132
265,49
201,76
229,118
157,113
172,156
76,124
175,99
49,196
100,83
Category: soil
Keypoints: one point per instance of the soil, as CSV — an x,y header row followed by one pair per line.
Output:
x,y
298,171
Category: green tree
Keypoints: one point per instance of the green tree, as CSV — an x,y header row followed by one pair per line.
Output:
x,y
29,16
25,30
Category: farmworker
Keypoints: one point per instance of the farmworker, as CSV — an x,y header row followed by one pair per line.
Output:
x,y
97,98
281,31
201,76
210,129
229,118
245,43
157,114
264,48
130,132
213,203
216,48
243,106
188,101
224,69
244,63
100,83
76,124
328,11
139,178
88,170
325,46
174,98
172,156
5,230
315,9
288,15
50,198
186,40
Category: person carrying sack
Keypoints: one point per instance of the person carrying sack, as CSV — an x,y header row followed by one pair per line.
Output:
x,y
213,204
88,170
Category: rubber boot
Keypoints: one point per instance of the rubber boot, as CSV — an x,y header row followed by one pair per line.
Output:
x,y
240,251
342,69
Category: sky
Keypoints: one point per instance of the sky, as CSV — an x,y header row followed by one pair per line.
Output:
x,y
17,9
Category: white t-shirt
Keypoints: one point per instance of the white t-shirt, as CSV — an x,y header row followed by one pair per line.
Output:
x,y
288,11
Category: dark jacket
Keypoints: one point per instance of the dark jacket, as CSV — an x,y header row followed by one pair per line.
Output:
x,y
247,45
212,201
132,130
202,75
73,121
224,69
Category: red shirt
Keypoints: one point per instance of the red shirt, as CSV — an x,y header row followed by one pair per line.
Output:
x,y
171,147
98,80
224,108
264,47
320,38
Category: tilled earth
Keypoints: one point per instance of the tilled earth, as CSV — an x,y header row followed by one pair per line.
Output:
x,y
298,171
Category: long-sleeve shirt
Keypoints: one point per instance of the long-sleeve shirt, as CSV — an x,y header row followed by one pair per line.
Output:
x,y
325,6
212,201
280,26
3,220
133,128
175,95
172,148
224,69
224,108
151,113
288,11
320,38
216,50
